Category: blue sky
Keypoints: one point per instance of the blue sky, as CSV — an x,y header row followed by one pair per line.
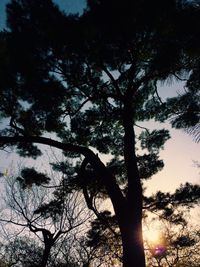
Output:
x,y
70,6
2,13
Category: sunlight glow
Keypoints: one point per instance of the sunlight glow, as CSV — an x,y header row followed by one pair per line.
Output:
x,y
155,242
152,236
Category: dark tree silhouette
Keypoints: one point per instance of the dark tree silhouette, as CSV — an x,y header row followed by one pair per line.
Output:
x,y
91,80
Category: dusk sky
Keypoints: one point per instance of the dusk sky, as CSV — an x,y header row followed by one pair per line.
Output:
x,y
180,151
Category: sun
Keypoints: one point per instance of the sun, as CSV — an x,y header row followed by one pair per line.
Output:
x,y
152,236
155,242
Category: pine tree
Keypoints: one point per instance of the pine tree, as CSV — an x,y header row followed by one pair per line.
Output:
x,y
90,80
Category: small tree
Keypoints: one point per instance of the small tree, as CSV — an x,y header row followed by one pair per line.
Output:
x,y
49,215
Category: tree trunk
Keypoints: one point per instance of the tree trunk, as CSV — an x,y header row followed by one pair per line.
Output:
x,y
130,221
45,255
130,224
133,250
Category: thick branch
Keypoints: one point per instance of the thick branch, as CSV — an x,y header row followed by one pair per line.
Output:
x,y
113,189
46,141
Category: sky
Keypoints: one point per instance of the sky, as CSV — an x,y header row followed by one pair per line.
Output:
x,y
180,151
69,6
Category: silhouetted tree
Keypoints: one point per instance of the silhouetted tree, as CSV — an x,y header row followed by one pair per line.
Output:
x,y
91,80
49,215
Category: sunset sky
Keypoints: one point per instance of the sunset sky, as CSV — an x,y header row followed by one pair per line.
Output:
x,y
180,151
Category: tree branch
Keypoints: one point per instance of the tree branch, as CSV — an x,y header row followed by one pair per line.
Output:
x,y
113,81
103,173
46,141
13,222
14,126
89,199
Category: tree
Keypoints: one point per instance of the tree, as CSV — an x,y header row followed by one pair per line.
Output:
x,y
49,215
90,80
168,211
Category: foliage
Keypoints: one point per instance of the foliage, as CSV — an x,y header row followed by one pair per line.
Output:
x,y
167,205
22,252
181,246
30,176
170,211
